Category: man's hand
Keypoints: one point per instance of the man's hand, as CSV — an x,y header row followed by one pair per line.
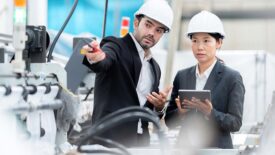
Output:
x,y
159,100
94,52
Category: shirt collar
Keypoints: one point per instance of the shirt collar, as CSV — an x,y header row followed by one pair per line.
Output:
x,y
140,50
207,72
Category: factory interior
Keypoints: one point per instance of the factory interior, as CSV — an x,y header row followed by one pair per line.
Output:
x,y
47,93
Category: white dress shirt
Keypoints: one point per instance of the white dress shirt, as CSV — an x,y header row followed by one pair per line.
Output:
x,y
146,78
201,79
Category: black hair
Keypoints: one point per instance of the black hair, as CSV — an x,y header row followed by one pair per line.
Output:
x,y
217,36
140,16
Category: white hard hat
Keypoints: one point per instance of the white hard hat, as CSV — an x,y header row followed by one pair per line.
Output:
x,y
158,10
205,22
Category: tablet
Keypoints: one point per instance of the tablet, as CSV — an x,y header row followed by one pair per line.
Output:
x,y
199,94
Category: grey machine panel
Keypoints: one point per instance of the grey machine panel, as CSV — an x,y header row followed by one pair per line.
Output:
x,y
76,71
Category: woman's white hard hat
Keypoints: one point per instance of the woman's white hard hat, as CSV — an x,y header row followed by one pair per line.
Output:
x,y
205,21
158,10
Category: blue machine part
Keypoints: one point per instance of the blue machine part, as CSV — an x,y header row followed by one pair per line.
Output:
x,y
89,15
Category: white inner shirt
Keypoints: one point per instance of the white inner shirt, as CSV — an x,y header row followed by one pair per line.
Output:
x,y
201,79
146,78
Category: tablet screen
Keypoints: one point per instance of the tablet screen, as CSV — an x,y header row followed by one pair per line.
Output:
x,y
199,94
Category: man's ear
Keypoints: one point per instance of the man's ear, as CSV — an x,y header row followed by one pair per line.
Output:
x,y
136,23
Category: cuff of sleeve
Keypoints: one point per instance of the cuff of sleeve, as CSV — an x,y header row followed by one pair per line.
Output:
x,y
212,114
160,112
94,62
91,61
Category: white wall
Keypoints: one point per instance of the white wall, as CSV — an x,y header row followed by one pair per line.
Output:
x,y
242,33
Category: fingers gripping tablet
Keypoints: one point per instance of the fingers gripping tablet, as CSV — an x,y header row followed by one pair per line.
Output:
x,y
199,94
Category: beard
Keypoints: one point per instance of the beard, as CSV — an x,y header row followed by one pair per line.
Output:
x,y
147,42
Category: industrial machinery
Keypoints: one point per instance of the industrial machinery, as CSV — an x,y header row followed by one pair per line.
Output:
x,y
37,109
34,99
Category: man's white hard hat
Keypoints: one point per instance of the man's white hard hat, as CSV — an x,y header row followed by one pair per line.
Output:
x,y
158,10
205,21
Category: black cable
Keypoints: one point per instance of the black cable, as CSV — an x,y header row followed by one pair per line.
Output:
x,y
120,119
108,142
119,112
105,18
103,152
126,110
111,142
88,93
60,31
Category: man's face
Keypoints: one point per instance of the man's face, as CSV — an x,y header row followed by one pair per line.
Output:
x,y
148,32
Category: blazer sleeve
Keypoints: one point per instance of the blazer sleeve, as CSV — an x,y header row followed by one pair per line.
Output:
x,y
172,117
111,50
232,120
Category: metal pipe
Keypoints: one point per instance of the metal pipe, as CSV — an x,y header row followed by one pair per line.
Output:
x,y
5,35
56,104
5,41
173,40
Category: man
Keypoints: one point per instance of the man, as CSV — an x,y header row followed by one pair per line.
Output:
x,y
127,74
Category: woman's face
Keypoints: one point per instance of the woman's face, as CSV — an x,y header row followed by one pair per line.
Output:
x,y
204,47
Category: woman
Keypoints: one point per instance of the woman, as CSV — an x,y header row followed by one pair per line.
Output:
x,y
223,114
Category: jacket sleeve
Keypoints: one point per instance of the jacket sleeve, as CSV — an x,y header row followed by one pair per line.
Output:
x,y
232,120
172,117
111,50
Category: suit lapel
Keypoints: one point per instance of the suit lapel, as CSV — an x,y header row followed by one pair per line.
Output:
x,y
191,84
215,77
135,56
156,73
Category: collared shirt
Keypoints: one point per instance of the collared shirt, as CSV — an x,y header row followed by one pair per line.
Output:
x,y
201,79
146,78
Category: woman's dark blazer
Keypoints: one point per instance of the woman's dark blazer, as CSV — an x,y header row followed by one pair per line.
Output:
x,y
227,97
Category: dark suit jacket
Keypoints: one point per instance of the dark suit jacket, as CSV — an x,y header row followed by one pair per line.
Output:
x,y
115,86
227,97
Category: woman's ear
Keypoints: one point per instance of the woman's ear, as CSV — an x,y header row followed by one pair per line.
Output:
x,y
219,43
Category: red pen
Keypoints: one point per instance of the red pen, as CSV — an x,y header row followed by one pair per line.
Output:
x,y
83,51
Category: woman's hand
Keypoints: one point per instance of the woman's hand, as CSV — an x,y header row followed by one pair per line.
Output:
x,y
179,105
203,106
